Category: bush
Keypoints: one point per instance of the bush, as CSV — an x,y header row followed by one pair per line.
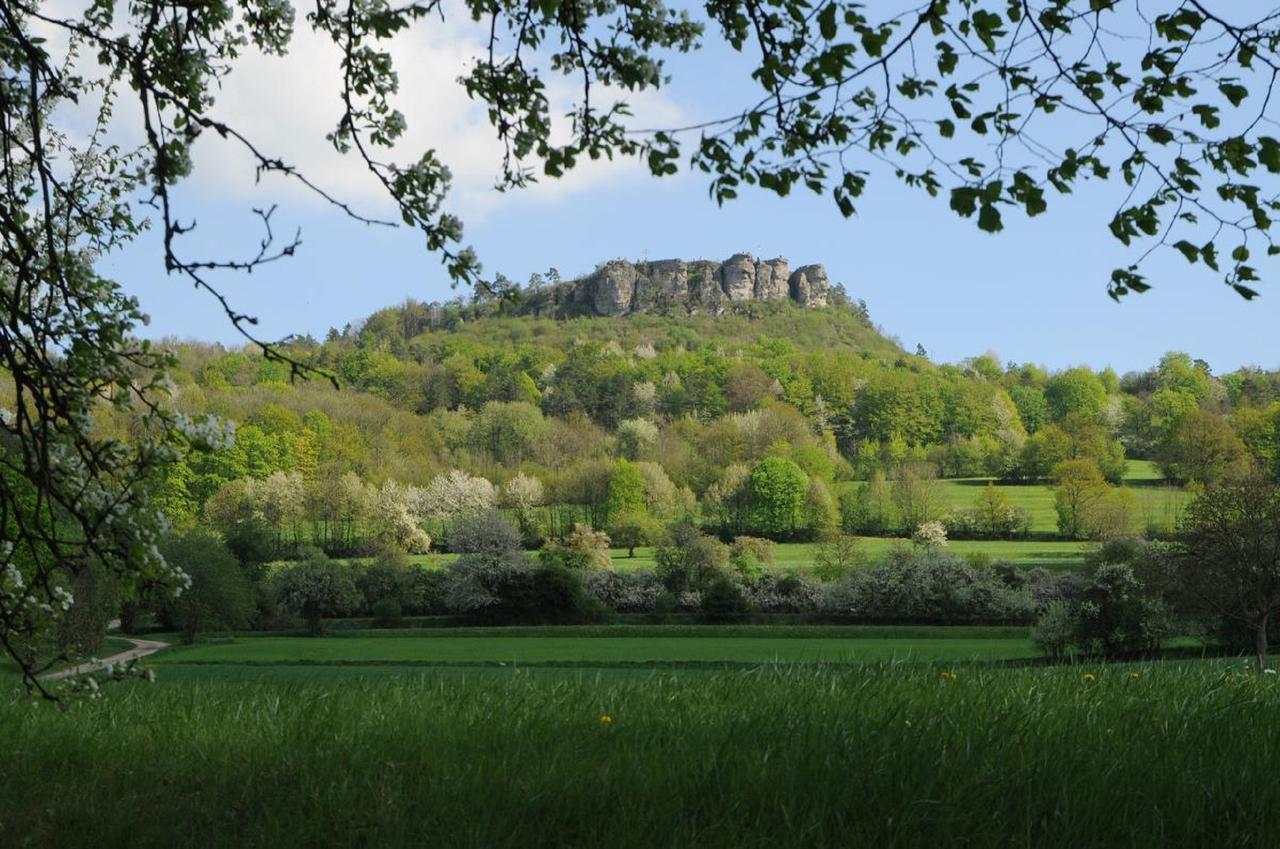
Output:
x,y
388,577
928,586
750,555
387,613
555,595
315,587
1117,616
930,535
723,600
692,560
486,533
1055,630
483,585
221,595
836,557
425,593
787,593
582,549
625,592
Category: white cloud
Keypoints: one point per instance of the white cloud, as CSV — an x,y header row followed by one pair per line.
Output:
x,y
286,105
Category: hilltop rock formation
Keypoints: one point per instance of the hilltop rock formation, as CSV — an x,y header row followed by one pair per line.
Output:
x,y
619,287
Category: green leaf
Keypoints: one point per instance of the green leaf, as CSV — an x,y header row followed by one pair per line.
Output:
x,y
946,128
827,22
1190,251
1269,153
1233,92
964,200
989,219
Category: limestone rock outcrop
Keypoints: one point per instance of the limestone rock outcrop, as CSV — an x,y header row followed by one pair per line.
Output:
x,y
619,287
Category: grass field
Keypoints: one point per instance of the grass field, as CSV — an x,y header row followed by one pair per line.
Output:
x,y
617,646
1158,503
880,755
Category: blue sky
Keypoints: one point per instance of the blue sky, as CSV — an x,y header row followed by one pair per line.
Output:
x,y
1036,292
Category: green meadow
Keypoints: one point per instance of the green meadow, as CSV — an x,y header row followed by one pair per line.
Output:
x,y
618,645
1173,754
1158,503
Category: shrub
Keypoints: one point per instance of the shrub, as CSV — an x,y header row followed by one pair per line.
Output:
x,y
387,613
692,560
483,584
389,576
1117,616
315,587
1055,630
485,532
929,586
791,592
724,600
625,592
221,595
425,592
750,555
930,535
583,549
555,595
836,557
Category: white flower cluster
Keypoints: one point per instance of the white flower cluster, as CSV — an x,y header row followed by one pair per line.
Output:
x,y
931,534
456,493
207,431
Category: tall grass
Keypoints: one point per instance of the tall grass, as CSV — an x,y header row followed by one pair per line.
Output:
x,y
889,755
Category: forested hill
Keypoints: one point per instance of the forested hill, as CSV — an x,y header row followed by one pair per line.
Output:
x,y
481,391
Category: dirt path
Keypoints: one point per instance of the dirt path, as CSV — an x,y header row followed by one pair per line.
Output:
x,y
141,648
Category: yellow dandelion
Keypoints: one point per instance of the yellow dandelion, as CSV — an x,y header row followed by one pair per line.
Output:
x,y
1135,675
606,719
947,676
1090,678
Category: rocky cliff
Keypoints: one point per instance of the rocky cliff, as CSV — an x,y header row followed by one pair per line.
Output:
x,y
619,287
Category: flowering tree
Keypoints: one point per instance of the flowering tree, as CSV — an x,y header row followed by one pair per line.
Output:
x,y
457,493
931,535
397,506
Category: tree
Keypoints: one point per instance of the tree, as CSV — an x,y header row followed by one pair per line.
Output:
x,y
995,512
221,595
838,555
486,532
398,507
691,560
626,490
315,587
778,491
1076,390
1201,447
1230,545
522,494
1078,486
458,493
633,529
507,430
582,549
1166,102
1111,515
916,495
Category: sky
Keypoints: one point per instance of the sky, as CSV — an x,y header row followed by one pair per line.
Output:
x,y
1033,293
